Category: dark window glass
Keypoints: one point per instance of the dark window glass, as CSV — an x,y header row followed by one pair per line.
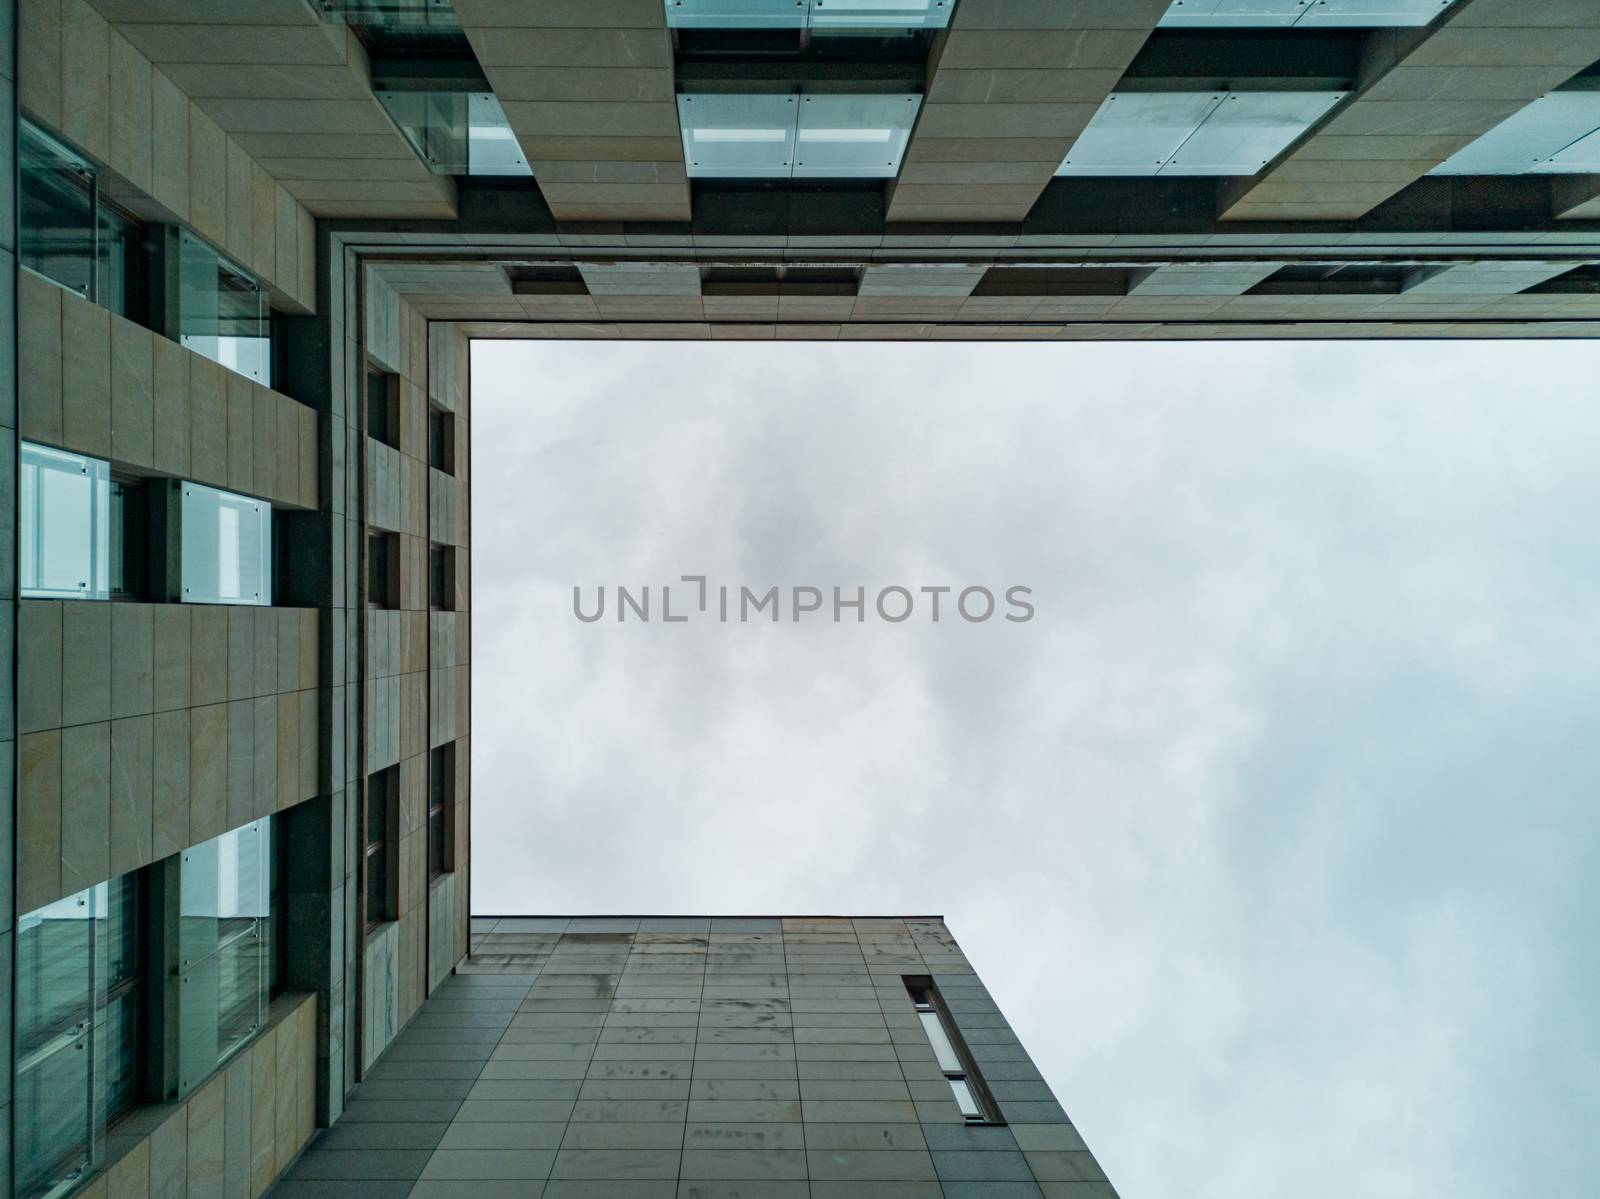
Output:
x,y
124,1006
383,570
381,788
442,440
441,578
57,223
383,417
441,804
222,312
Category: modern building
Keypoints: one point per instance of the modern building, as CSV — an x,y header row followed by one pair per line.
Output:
x,y
247,247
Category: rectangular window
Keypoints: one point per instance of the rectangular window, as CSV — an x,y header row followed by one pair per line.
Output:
x,y
442,440
223,312
226,547
383,570
382,805
223,968
71,233
442,578
957,1072
80,971
64,533
441,808
383,407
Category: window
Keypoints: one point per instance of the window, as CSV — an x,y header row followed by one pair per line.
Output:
x,y
441,808
132,552
1222,14
442,578
80,972
223,966
820,15
226,547
442,440
222,311
382,804
383,570
65,525
778,136
383,407
1558,134
962,1081
69,231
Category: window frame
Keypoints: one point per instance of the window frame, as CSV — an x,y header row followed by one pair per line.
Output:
x,y
926,1001
383,785
441,804
32,520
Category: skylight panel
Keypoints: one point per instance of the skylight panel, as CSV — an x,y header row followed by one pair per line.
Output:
x,y
1553,135
1282,14
795,136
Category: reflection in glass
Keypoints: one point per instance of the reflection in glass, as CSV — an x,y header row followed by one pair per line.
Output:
x,y
227,547
965,1100
77,1032
942,1049
56,219
63,525
222,312
223,975
457,133
821,15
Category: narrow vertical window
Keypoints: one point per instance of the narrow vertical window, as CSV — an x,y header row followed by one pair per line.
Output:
x,y
441,578
963,1085
442,440
383,570
441,808
383,407
381,803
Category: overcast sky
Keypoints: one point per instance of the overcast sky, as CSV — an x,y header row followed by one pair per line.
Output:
x,y
1274,832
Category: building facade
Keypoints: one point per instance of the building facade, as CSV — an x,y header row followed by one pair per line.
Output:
x,y
706,1058
245,251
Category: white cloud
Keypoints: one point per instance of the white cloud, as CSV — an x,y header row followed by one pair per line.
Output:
x,y
1270,832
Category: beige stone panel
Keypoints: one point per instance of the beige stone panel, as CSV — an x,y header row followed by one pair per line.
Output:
x,y
39,357
263,256
208,177
208,772
131,113
85,805
39,665
170,793
39,820
208,420
287,751
264,441
241,651
132,793
85,376
286,1094
129,1176
306,1082
310,468
263,1111
285,270
172,630
132,659
39,59
208,676
169,1153
287,450
205,1144
239,167
572,47
170,430
310,747
85,79
241,803
132,394
264,761
241,432
85,662
306,245
169,149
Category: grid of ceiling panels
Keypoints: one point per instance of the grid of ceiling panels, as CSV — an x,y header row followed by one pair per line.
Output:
x,y
795,136
1281,14
1193,133
1558,134
829,15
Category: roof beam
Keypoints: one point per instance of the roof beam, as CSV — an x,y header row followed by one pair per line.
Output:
x,y
1011,84
1422,95
587,88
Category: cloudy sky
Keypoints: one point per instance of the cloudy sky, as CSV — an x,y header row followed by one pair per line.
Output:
x,y
1274,832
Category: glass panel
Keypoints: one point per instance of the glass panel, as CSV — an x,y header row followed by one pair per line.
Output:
x,y
738,137
1532,139
54,1108
880,14
64,525
1368,14
435,123
222,313
57,225
1248,130
119,247
853,137
965,1099
1263,14
831,15
737,14
492,148
224,904
226,546
1137,133
942,1049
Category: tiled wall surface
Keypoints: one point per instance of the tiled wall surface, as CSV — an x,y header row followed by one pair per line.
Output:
x,y
97,384
698,1058
170,161
233,1136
